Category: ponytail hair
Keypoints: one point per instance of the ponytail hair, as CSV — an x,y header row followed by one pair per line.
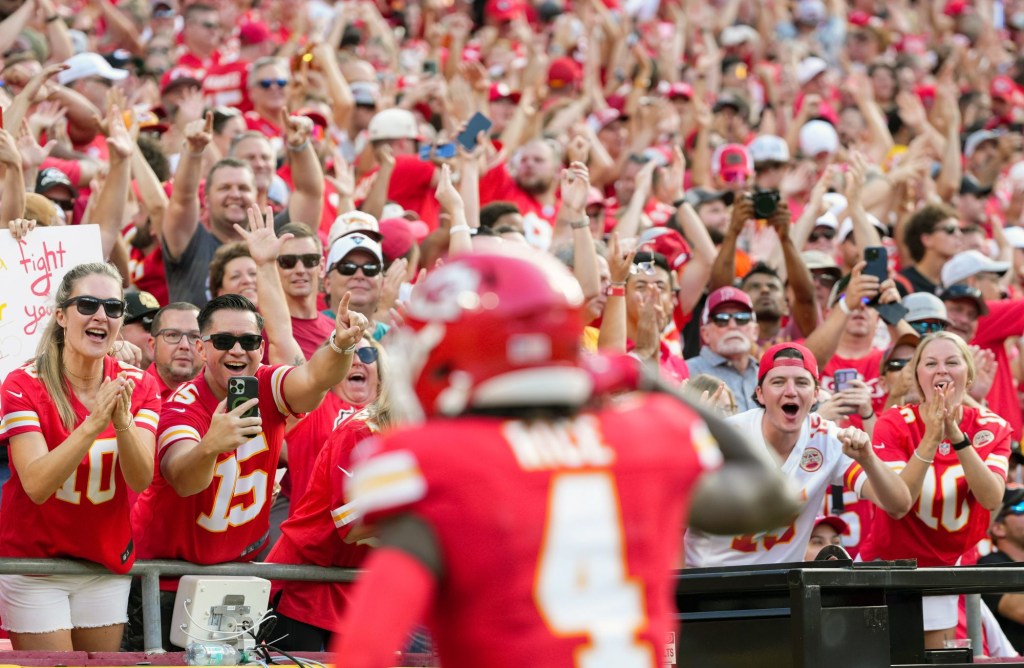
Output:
x,y
49,360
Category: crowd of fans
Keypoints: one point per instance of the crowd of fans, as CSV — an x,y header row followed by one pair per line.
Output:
x,y
271,179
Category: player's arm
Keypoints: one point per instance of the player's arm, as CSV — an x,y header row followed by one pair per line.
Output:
x,y
305,386
188,464
394,593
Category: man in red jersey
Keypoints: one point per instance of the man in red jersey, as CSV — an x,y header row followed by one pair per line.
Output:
x,y
520,468
209,502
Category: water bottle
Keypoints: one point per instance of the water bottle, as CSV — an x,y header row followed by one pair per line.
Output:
x,y
211,653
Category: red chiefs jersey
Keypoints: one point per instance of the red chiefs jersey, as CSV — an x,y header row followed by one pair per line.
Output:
x,y
165,390
226,85
332,200
306,440
314,533
410,187
87,518
230,519
146,270
868,370
498,185
946,519
562,533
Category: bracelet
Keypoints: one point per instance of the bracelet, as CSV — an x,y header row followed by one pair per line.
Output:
x,y
460,228
341,351
197,154
119,431
843,306
618,284
51,19
300,148
616,291
581,224
926,461
966,443
862,417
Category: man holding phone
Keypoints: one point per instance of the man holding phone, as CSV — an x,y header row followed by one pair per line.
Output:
x,y
210,500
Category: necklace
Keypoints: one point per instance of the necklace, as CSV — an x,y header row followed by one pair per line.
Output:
x,y
85,378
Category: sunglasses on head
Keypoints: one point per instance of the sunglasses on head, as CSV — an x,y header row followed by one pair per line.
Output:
x,y
827,233
924,327
350,268
267,84
896,364
722,319
249,342
114,308
309,260
367,355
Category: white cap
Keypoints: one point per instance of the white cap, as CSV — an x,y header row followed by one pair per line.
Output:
x,y
87,64
835,202
847,226
817,137
353,221
827,219
1015,236
977,138
393,124
353,242
967,263
809,68
810,11
769,148
738,34
924,306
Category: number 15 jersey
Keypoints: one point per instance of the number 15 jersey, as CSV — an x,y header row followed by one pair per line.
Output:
x,y
230,519
558,538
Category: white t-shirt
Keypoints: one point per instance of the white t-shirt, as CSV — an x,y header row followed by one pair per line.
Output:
x,y
816,462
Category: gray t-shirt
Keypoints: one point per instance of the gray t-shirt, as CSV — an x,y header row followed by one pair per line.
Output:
x,y
188,277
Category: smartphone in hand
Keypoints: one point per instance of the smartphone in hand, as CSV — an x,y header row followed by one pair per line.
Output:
x,y
477,124
240,390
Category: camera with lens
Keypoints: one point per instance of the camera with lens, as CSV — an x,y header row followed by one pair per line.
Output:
x,y
765,202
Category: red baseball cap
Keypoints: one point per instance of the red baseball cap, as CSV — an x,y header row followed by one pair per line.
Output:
x,y
678,90
501,91
564,72
399,235
768,361
837,523
1004,88
179,77
253,32
503,10
732,162
726,295
669,243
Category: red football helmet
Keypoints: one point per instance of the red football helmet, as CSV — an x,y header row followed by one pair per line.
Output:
x,y
498,328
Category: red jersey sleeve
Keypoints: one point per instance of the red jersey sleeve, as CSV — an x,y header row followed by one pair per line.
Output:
x,y
19,411
890,437
1004,319
146,402
179,421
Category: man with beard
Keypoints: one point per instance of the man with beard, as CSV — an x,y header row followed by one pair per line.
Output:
x,y
175,347
529,181
813,453
777,321
728,331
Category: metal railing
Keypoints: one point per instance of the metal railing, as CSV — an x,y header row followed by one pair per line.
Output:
x,y
151,571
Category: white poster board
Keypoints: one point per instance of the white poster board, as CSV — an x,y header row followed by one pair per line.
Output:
x,y
30,271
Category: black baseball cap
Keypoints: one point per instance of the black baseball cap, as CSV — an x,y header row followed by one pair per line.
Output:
x,y
141,307
961,291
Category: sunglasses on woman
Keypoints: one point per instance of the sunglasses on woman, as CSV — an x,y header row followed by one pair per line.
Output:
x,y
249,342
367,355
309,260
350,268
114,308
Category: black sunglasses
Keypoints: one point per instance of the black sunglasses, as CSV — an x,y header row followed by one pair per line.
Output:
x,y
896,364
827,233
722,319
825,279
350,268
923,327
367,355
309,260
249,342
952,228
114,308
266,84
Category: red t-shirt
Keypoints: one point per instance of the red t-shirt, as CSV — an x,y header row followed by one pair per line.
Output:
x,y
311,333
498,185
589,510
306,439
147,273
1004,319
315,532
230,519
946,519
332,200
867,370
410,186
87,518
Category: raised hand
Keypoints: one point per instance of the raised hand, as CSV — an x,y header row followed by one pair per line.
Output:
x,y
264,244
19,227
118,140
447,196
122,413
126,351
105,403
575,185
349,326
9,155
298,130
620,260
856,444
198,134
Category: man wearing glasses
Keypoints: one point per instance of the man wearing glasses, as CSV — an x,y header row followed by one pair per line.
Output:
x,y
268,81
355,264
728,332
300,266
174,346
932,237
200,37
210,500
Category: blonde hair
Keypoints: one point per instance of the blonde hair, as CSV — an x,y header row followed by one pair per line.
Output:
x,y
965,353
379,410
49,361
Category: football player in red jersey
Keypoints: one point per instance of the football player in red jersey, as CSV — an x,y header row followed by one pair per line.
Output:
x,y
953,458
520,508
210,500
81,428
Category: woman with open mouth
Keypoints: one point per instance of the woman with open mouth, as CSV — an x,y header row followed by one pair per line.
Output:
x,y
81,428
953,457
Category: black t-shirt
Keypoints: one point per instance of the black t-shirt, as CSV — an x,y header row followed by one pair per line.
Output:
x,y
917,280
1014,631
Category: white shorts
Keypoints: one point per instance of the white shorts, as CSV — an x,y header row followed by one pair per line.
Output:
x,y
44,604
940,612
